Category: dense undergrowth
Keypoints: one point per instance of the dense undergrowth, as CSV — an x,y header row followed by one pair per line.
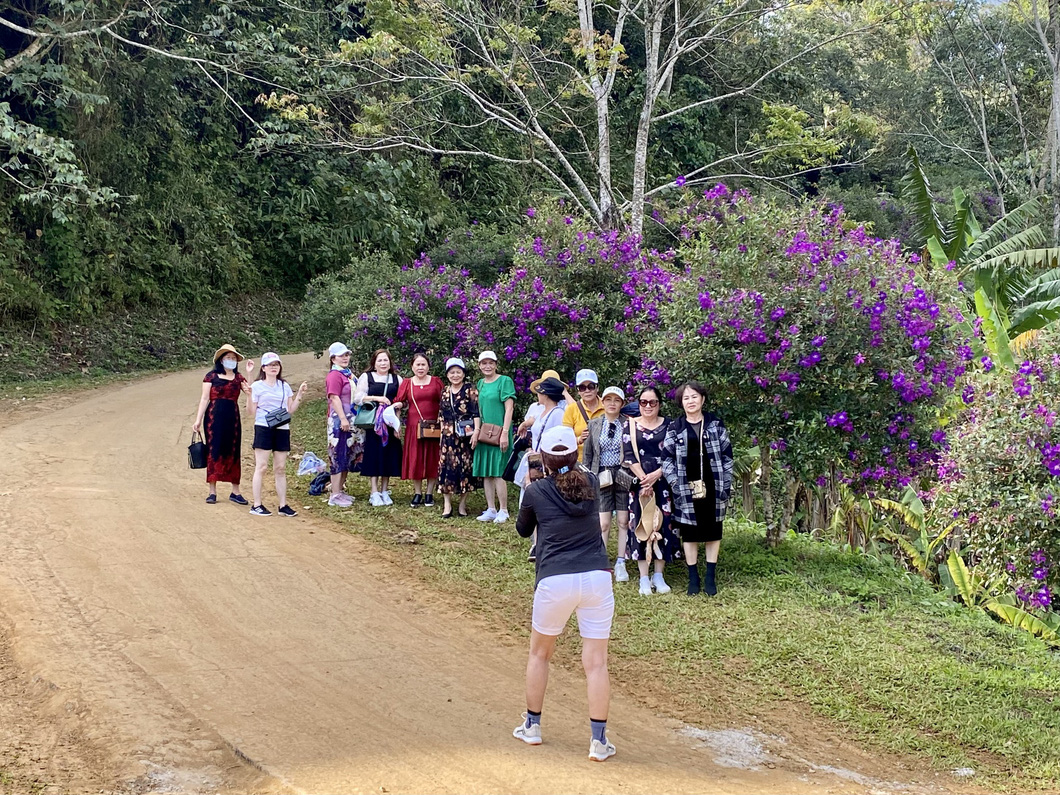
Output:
x,y
874,651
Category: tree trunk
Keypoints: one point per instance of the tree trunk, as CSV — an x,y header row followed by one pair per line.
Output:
x,y
747,490
653,23
602,100
772,536
791,491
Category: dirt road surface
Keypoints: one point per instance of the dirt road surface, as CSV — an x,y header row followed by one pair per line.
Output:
x,y
156,643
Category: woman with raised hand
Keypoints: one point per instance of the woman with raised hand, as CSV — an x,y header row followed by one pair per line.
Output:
x,y
421,395
496,401
572,576
697,460
345,443
379,384
651,532
218,418
460,424
602,455
271,404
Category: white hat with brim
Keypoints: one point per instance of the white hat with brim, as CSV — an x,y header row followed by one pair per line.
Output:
x,y
269,358
650,516
487,355
586,376
559,441
338,349
455,361
227,349
616,391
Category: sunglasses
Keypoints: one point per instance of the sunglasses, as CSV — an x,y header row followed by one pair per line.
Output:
x,y
649,403
586,387
611,431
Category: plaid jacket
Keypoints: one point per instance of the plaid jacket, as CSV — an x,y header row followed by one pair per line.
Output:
x,y
675,459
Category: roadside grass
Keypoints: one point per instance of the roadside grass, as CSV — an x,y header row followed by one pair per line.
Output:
x,y
38,360
881,655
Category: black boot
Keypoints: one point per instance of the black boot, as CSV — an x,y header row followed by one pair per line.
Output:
x,y
708,581
693,579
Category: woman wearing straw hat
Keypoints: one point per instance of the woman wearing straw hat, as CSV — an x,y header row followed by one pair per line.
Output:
x,y
572,576
651,534
218,417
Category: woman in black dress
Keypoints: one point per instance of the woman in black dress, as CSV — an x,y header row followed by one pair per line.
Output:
x,y
382,450
460,420
697,461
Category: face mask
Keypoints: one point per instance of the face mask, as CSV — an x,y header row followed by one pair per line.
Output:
x,y
230,364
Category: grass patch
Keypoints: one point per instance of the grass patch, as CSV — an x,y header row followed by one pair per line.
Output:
x,y
890,661
34,359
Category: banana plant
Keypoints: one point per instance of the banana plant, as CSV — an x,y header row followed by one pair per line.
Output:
x,y
1015,278
920,550
1047,628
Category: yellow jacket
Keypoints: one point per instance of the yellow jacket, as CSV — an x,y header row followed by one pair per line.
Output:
x,y
573,418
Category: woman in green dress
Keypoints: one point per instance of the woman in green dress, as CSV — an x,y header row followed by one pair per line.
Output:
x,y
496,403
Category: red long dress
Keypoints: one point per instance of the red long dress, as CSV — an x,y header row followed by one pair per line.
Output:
x,y
420,461
222,429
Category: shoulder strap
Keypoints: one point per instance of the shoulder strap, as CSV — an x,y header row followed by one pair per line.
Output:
x,y
633,438
412,394
581,408
544,422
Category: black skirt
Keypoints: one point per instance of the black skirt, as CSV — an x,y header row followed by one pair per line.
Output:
x,y
707,528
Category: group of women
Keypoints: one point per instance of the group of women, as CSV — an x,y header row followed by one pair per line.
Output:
x,y
587,461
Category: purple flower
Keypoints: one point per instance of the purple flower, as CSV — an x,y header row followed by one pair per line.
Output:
x,y
988,364
1040,573
818,341
530,212
680,181
1010,567
1038,556
777,314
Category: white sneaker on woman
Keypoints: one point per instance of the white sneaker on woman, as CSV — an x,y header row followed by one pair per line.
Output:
x,y
376,500
531,735
386,498
659,583
488,515
601,752
501,518
621,575
645,586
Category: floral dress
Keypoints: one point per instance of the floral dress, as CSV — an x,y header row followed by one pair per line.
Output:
x,y
457,457
222,428
649,445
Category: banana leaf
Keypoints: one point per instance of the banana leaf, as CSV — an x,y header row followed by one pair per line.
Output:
x,y
1021,619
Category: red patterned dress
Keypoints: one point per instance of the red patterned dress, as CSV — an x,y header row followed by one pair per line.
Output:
x,y
222,429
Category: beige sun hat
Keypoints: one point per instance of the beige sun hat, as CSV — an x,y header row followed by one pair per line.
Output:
x,y
544,377
650,516
227,349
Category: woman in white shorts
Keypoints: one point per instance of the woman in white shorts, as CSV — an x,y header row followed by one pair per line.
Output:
x,y
572,576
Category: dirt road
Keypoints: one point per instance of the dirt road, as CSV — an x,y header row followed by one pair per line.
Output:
x,y
177,646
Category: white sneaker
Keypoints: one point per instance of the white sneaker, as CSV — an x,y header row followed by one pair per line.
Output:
x,y
376,500
529,735
502,517
645,586
601,752
659,583
340,500
621,575
488,515
386,498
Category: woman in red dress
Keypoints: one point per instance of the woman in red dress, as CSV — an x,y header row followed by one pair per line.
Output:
x,y
421,395
218,416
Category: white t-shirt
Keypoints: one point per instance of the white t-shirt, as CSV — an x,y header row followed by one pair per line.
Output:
x,y
269,399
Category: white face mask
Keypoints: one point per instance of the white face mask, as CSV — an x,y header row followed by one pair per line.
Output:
x,y
230,364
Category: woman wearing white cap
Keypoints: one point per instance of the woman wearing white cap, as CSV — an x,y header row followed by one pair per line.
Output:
x,y
496,402
589,407
271,404
603,457
572,576
219,410
379,384
458,413
345,443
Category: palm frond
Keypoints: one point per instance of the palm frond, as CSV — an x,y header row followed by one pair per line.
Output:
x,y
963,224
1010,224
917,191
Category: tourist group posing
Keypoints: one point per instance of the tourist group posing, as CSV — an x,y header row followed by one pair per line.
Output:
x,y
582,465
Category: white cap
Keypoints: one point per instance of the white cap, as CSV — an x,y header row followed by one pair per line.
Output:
x,y
337,349
614,390
487,355
269,358
559,440
455,361
586,375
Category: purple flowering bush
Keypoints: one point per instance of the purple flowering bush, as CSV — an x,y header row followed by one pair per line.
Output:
x,y
1000,475
813,337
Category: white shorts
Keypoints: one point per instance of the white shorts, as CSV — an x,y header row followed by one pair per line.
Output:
x,y
588,592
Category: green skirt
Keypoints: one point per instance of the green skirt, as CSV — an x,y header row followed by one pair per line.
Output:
x,y
489,460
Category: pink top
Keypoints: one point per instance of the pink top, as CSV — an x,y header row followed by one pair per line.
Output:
x,y
339,384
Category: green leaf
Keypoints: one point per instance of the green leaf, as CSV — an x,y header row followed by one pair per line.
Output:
x,y
962,226
963,580
917,191
994,329
1021,619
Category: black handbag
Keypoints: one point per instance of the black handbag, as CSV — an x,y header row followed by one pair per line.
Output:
x,y
277,417
197,452
513,464
625,479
